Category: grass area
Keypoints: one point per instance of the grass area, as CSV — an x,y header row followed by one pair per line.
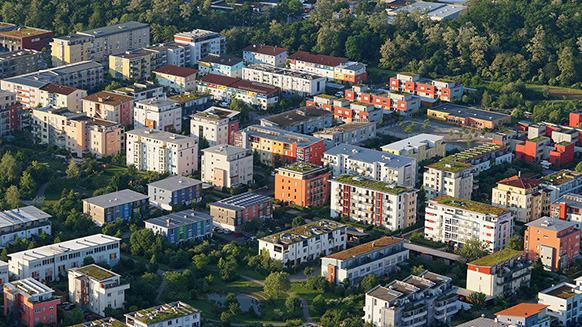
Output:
x,y
559,92
497,257
161,266
469,205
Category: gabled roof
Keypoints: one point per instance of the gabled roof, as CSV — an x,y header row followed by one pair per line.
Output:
x,y
317,59
523,310
109,98
218,79
176,71
520,182
265,49
59,89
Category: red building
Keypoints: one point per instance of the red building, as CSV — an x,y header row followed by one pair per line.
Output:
x,y
556,242
446,90
575,119
532,150
302,184
562,154
25,38
31,302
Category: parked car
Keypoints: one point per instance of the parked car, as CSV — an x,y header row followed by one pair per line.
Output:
x,y
227,231
238,234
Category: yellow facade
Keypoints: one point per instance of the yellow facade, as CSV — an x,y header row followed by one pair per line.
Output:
x,y
437,114
135,65
63,53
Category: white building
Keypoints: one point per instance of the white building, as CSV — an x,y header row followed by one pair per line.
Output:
x,y
303,120
349,133
221,65
563,182
305,243
216,125
227,166
160,114
455,221
23,223
60,96
483,157
49,262
420,147
27,90
290,81
182,226
202,43
96,288
564,302
265,54
175,314
381,166
160,151
448,178
3,272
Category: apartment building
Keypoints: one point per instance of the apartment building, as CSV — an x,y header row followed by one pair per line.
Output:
x,y
107,208
349,133
175,190
96,288
370,202
448,178
201,43
23,223
304,120
232,213
142,91
60,96
525,315
445,90
224,88
136,64
30,302
379,258
25,38
395,101
523,196
303,184
109,106
11,113
221,65
563,182
482,157
455,221
216,125
305,243
192,102
82,75
333,68
174,54
3,273
415,301
26,90
116,39
419,147
21,62
345,110
176,313
563,302
227,166
160,151
568,207
177,78
265,55
557,147
182,226
380,166
50,262
556,242
290,81
500,273
158,113
277,147
70,49
470,117
504,137
105,322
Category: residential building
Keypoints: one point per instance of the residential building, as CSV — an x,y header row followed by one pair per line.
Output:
x,y
574,119
173,54
216,125
486,322
82,75
12,114
419,147
435,11
192,102
305,243
160,114
26,90
302,184
498,274
221,64
107,208
70,49
177,78
182,226
3,273
348,133
25,38
160,151
23,223
370,202
482,157
333,68
446,90
277,147
549,142
96,288
30,302
563,302
109,106
118,38
21,62
455,221
304,120
265,55
415,301
563,182
60,96
227,166
50,262
175,190
105,322
557,133
347,111
7,26
379,258
136,64
232,213
290,81
177,313
525,315
223,88
556,242
380,166
395,101
504,137
202,43
142,91
470,117
448,178
523,196
568,207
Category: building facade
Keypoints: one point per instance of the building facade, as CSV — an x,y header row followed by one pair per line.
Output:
x,y
349,133
202,43
175,190
12,115
160,114
560,300
394,101
265,55
563,182
446,90
227,166
290,81
232,213
82,75
419,147
70,49
523,196
304,120
333,68
182,226
525,315
448,178
177,78
137,64
25,38
221,65
302,184
556,242
178,314
21,62
216,125
568,207
224,88
482,157
60,96
470,117
23,223
118,38
109,106
107,208
30,302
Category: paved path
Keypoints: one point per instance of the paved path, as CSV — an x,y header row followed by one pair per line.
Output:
x,y
39,193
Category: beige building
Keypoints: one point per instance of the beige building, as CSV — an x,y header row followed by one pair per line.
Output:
x,y
215,124
448,178
177,78
349,133
227,166
420,147
60,96
70,49
118,38
523,196
136,64
110,106
232,213
107,208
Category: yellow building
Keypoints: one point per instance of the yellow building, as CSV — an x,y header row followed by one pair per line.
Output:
x,y
420,147
70,49
523,196
177,78
137,64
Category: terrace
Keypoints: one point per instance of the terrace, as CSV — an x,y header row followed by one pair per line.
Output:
x,y
325,96
450,166
469,205
304,232
162,313
538,139
473,153
354,180
564,292
186,97
301,167
96,272
23,32
561,177
393,189
496,258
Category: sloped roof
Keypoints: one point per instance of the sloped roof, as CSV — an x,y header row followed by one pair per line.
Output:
x,y
317,59
520,182
176,71
265,49
523,310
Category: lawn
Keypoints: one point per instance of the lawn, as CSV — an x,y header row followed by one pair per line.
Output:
x,y
558,92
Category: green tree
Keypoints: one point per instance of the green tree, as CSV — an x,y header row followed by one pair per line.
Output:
x,y
277,282
88,260
298,221
515,243
319,304
4,255
293,303
9,168
73,171
369,282
12,197
486,99
473,249
308,271
201,261
477,299
417,270
579,167
27,184
410,128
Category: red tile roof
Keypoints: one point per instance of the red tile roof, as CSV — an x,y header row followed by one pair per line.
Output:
x,y
59,89
265,49
218,79
108,98
522,310
317,59
176,71
520,182
255,87
365,248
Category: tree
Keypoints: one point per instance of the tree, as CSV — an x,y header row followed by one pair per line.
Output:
x,y
75,317
73,171
417,270
88,260
369,282
27,184
486,99
579,167
515,243
410,128
477,299
319,304
4,255
12,197
277,282
9,168
293,303
473,249
201,261
298,221
308,271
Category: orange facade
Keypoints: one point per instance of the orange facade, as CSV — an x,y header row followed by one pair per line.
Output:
x,y
305,192
566,244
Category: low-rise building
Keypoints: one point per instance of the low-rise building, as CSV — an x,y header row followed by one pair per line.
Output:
x,y
192,102
221,65
70,49
379,258
482,157
142,91
395,101
177,78
525,315
419,147
96,288
369,201
25,38
30,302
435,11
556,242
109,106
178,313
333,68
224,88
290,81
216,125
349,133
523,196
563,182
105,322
182,226
568,207
302,184
60,96
232,213
20,62
563,302
107,208
446,90
265,55
347,111
455,221
305,243
227,166
304,120
3,272
23,223
448,178
466,116
137,64
160,114
175,190
500,273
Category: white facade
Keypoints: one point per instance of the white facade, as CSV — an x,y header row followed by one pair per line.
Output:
x,y
183,315
448,178
160,114
3,272
227,166
27,90
288,80
349,133
202,43
59,96
160,151
563,182
561,299
504,277
264,54
23,223
214,124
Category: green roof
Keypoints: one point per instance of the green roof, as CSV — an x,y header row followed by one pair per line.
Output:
x,y
105,322
372,184
362,103
164,312
23,32
301,167
325,96
299,233
383,187
96,272
564,143
473,153
450,166
186,97
560,177
497,257
469,205
355,180
537,139
564,292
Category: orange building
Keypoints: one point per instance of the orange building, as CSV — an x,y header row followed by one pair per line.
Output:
x,y
556,242
303,184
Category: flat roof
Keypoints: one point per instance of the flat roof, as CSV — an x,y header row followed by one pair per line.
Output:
x,y
114,29
373,184
175,183
179,219
551,224
432,252
56,249
138,53
58,89
475,152
176,71
242,201
108,98
25,32
365,248
29,287
283,71
195,33
570,199
561,177
161,135
450,166
469,205
96,272
413,141
299,115
226,149
28,81
265,49
221,59
257,87
563,290
483,322
159,102
22,216
280,135
116,198
19,53
94,121
467,112
162,312
105,322
217,113
73,68
317,59
301,167
303,232
343,128
368,155
497,258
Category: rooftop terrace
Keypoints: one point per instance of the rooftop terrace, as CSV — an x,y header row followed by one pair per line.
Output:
x,y
561,177
373,184
163,312
302,232
469,205
96,272
365,248
497,257
475,152
301,167
564,292
450,166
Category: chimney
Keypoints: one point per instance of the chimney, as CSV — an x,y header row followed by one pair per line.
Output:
x,y
168,221
519,173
